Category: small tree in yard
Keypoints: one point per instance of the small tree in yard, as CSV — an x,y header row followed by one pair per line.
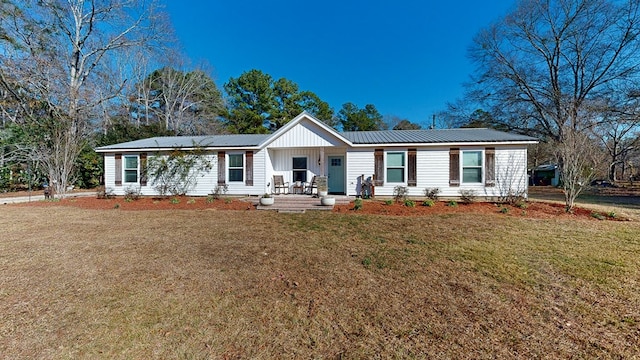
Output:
x,y
177,173
578,159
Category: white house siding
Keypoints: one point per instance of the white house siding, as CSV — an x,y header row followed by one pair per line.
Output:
x,y
359,162
110,172
305,135
511,171
432,171
240,188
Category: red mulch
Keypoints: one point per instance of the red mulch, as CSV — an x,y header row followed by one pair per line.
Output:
x,y
541,210
147,203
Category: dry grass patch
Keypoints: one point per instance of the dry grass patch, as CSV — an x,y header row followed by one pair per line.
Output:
x,y
232,284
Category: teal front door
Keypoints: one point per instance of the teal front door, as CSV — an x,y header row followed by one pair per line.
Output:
x,y
336,174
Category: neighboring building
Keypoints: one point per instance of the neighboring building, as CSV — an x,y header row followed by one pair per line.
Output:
x,y
546,175
491,162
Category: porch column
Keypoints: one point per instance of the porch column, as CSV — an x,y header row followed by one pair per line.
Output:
x,y
321,162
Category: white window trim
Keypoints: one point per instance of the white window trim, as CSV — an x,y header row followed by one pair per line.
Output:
x,y
404,167
125,169
462,167
229,167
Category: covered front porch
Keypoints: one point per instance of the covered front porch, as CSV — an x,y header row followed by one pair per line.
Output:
x,y
298,171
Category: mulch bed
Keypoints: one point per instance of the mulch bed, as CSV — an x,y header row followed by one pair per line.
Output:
x,y
532,209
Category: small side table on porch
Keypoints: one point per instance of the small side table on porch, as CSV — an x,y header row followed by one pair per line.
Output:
x,y
298,187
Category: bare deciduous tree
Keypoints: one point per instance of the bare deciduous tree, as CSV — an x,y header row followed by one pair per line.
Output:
x,y
61,54
547,65
187,102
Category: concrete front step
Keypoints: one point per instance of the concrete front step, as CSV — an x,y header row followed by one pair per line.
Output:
x,y
301,203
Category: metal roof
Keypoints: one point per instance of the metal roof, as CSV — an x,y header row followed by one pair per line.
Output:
x,y
355,137
169,142
433,136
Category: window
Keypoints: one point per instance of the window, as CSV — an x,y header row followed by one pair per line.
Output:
x,y
300,169
131,169
236,167
472,166
395,167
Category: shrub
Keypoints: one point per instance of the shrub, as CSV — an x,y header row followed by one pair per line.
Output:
x,y
432,193
597,216
428,202
468,196
452,203
400,193
131,194
218,191
504,210
409,203
388,202
357,204
513,198
105,193
174,200
191,201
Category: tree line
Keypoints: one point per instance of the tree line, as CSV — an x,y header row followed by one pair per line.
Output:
x,y
84,73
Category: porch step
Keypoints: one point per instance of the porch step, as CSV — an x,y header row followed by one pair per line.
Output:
x,y
300,203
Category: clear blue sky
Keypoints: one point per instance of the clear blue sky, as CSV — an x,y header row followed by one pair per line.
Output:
x,y
407,57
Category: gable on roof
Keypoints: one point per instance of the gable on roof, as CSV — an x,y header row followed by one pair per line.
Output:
x,y
306,131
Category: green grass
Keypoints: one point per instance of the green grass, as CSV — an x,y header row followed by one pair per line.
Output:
x,y
234,284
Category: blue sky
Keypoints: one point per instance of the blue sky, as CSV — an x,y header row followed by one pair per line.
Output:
x,y
407,57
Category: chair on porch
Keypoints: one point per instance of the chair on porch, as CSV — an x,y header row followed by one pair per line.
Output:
x,y
279,185
312,185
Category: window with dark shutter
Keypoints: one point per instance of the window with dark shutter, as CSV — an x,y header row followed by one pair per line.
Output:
x,y
249,168
412,168
490,167
118,158
143,169
454,167
222,169
378,167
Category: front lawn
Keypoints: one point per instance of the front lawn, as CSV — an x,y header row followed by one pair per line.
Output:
x,y
77,283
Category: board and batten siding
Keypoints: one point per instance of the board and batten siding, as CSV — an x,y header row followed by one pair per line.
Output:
x,y
305,135
282,160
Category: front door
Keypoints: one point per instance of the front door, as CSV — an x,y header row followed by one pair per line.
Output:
x,y
336,174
